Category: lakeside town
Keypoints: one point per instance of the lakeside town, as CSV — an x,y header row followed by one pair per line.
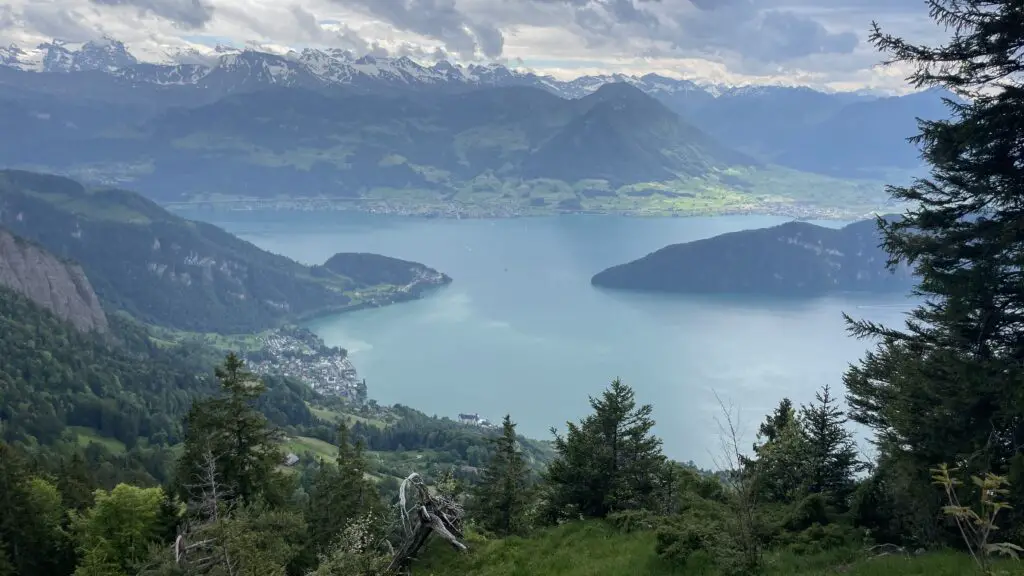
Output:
x,y
298,353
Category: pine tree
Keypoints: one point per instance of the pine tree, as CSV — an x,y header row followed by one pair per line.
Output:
x,y
780,455
946,387
75,483
246,448
610,461
783,417
340,493
502,496
831,453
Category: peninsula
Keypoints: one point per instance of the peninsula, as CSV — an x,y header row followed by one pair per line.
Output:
x,y
791,259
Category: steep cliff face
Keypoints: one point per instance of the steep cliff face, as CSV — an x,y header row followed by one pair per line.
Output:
x,y
57,286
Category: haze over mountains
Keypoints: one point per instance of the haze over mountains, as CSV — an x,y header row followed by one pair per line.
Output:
x,y
259,124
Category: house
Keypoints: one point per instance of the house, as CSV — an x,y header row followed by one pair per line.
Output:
x,y
291,459
469,418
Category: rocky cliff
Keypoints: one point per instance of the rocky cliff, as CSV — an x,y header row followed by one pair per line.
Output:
x,y
57,286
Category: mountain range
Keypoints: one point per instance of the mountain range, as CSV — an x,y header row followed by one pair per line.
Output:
x,y
95,111
791,259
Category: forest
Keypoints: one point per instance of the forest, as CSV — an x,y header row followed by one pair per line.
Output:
x,y
201,485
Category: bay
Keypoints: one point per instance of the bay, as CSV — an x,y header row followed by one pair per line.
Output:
x,y
521,330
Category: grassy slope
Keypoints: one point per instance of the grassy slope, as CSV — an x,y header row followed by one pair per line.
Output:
x,y
87,436
596,549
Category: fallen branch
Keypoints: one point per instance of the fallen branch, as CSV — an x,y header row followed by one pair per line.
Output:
x,y
430,514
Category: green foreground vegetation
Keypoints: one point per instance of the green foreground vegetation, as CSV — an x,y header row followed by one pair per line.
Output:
x,y
600,549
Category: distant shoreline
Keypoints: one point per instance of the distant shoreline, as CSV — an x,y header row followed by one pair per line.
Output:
x,y
417,291
483,212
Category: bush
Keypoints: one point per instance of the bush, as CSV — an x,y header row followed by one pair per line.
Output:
x,y
818,539
809,511
681,538
634,520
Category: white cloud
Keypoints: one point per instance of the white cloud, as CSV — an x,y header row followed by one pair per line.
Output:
x,y
736,41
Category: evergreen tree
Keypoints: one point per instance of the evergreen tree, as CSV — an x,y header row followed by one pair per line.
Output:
x,y
501,498
946,387
75,483
772,427
780,456
246,448
30,519
340,493
610,461
831,452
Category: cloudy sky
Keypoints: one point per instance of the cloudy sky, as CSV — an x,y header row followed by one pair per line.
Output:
x,y
815,42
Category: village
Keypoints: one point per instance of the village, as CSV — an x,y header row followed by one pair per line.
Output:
x,y
298,353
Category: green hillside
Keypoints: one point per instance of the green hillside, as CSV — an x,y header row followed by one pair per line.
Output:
x,y
165,270
791,259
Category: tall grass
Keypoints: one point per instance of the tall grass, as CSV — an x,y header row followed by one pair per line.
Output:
x,y
594,548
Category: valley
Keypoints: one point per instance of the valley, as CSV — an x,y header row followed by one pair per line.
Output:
x,y
391,136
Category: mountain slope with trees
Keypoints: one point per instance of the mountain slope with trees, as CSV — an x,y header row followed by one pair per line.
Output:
x,y
276,141
183,274
795,258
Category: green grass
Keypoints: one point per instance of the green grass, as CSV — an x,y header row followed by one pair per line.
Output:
x,y
301,444
335,417
87,436
596,549
163,336
326,451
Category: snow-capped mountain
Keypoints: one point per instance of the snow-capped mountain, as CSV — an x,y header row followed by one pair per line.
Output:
x,y
229,69
105,55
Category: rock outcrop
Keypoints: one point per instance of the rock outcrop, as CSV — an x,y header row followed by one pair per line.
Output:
x,y
58,286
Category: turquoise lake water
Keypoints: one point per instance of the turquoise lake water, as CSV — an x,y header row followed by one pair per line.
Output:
x,y
522,331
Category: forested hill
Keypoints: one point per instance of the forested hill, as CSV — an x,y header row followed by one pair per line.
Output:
x,y
791,259
56,381
166,270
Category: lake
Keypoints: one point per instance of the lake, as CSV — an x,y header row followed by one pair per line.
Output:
x,y
522,331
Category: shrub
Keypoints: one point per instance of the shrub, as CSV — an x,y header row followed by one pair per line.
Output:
x,y
634,520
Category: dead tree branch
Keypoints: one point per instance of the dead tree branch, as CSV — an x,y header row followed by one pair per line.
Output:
x,y
429,513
